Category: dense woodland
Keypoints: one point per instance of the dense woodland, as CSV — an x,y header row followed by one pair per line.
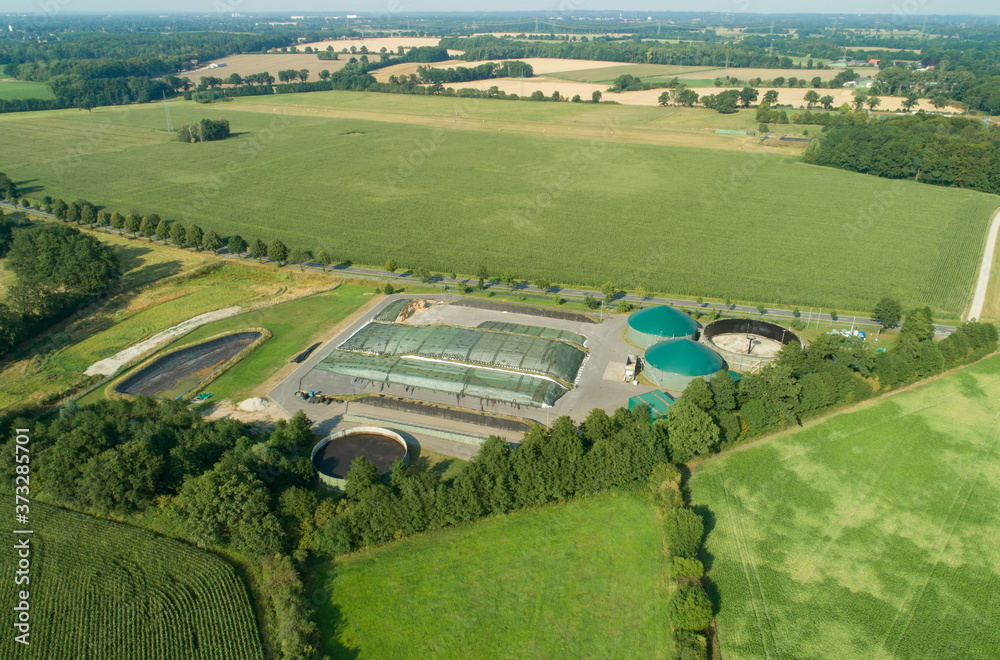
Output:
x,y
58,271
944,151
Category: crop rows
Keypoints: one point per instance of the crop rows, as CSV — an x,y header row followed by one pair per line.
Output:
x,y
696,222
105,590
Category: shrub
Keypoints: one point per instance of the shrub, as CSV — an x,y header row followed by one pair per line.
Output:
x,y
684,530
690,608
690,646
684,567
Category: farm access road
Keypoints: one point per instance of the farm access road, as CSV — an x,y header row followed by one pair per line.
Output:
x,y
769,313
985,268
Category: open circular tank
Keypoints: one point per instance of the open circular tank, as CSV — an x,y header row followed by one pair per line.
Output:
x,y
747,344
332,456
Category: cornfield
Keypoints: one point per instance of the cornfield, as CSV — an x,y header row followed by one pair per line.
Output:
x,y
100,589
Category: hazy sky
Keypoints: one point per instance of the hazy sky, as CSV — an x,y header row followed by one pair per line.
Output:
x,y
896,7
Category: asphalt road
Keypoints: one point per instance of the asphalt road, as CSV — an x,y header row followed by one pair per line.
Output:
x,y
861,322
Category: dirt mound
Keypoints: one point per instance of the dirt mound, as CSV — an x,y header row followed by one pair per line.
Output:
x,y
254,404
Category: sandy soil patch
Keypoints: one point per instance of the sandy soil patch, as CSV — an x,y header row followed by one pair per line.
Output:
x,y
539,35
262,421
109,366
245,65
795,98
525,86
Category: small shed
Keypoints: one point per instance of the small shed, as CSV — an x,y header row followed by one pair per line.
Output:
x,y
657,401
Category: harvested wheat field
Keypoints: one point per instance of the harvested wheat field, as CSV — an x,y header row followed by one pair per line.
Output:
x,y
245,65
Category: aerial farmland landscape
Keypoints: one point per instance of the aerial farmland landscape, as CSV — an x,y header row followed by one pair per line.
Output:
x,y
519,331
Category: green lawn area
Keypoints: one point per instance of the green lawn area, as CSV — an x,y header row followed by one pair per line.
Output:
x,y
587,578
14,90
295,326
872,534
692,221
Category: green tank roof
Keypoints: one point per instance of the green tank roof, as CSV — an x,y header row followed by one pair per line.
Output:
x,y
663,321
684,357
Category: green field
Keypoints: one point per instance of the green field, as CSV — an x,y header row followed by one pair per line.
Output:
x,y
872,534
101,589
690,221
584,579
14,90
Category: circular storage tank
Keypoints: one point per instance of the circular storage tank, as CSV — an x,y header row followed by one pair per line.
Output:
x,y
747,344
674,363
654,324
332,456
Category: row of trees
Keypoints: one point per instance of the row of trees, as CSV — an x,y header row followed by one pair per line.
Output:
x,y
508,69
689,607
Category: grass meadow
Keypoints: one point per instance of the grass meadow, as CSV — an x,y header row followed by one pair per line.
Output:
x,y
686,221
101,589
871,534
586,578
15,90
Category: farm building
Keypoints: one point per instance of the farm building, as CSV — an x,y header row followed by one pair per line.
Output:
x,y
674,363
654,324
657,402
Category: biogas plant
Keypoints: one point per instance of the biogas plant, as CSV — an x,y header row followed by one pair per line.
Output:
x,y
449,372
435,358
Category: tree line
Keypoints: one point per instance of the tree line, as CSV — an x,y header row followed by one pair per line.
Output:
x,y
945,151
506,69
